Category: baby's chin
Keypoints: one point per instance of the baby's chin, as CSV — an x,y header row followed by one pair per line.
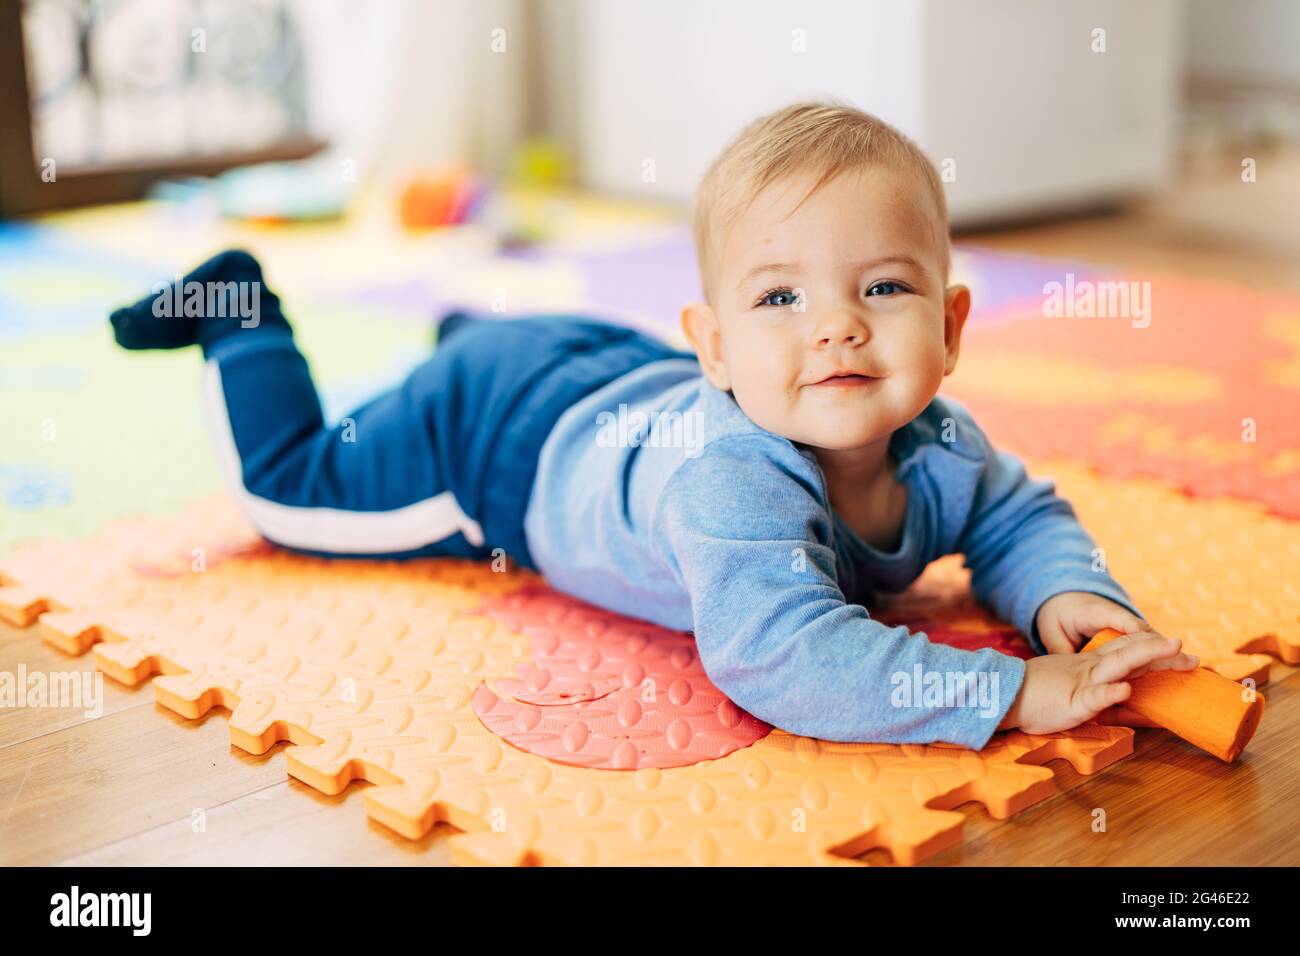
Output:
x,y
840,419
839,431
845,439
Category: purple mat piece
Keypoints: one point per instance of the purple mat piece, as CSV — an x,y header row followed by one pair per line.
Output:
x,y
1010,283
651,280
645,284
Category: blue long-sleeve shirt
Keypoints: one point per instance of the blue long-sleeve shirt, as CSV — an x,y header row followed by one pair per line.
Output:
x,y
657,497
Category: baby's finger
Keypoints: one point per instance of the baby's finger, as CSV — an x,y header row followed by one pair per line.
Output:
x,y
1095,698
1102,614
1055,640
1179,662
1131,653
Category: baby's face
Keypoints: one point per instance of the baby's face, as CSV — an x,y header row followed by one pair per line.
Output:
x,y
831,324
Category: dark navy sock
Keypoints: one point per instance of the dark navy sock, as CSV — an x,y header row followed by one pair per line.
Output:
x,y
223,296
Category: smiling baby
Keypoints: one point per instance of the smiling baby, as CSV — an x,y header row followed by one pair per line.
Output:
x,y
762,490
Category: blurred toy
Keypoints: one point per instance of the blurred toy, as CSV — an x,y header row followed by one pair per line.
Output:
x,y
520,218
543,163
284,192
1204,708
307,189
443,197
521,214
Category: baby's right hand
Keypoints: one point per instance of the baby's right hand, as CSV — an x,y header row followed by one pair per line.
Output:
x,y
1061,691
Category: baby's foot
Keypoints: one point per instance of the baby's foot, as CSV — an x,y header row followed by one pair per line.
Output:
x,y
202,307
137,327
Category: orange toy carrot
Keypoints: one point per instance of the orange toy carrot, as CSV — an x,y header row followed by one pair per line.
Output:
x,y
1204,708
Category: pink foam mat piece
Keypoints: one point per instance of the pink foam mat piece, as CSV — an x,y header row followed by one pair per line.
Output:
x,y
607,691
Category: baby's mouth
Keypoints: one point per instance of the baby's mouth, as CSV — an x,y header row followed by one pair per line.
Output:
x,y
847,380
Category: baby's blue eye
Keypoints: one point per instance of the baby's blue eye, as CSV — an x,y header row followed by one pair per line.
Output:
x,y
889,287
779,298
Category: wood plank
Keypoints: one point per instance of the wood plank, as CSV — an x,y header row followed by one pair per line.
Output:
x,y
1207,225
286,824
25,647
102,780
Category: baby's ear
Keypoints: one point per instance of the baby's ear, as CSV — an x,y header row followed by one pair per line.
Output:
x,y
700,326
956,306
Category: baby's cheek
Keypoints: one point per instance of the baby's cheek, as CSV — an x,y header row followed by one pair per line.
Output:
x,y
758,366
765,404
925,354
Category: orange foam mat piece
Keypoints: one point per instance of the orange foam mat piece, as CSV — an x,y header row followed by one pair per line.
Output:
x,y
1222,574
369,668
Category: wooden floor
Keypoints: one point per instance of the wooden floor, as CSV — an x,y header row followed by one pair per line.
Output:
x,y
128,786
1210,225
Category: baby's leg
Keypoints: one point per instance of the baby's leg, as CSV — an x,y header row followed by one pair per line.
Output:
x,y
370,485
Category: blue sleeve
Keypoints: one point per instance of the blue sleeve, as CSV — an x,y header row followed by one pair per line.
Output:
x,y
1024,544
744,529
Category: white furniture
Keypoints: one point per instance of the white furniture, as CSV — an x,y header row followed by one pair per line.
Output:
x,y
1011,90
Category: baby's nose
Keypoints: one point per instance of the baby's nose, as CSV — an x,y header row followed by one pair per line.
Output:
x,y
847,337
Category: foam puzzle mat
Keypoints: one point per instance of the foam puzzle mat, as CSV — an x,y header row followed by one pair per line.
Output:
x,y
1205,396
378,670
555,733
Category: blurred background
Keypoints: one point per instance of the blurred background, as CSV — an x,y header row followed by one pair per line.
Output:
x,y
1036,110
389,161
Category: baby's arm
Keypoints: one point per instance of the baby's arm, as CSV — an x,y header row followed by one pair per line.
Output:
x,y
1024,545
743,529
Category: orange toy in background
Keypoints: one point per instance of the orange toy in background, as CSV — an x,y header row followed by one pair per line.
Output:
x,y
444,197
1202,707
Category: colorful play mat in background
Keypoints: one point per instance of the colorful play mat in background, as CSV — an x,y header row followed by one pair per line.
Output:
x,y
473,694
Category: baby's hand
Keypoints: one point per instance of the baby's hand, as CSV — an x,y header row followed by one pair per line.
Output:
x,y
1061,691
1067,620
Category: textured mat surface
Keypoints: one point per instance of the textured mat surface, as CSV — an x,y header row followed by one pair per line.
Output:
x,y
1207,396
604,690
370,670
378,671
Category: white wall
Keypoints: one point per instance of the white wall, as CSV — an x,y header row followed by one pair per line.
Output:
x,y
1252,41
1010,89
409,83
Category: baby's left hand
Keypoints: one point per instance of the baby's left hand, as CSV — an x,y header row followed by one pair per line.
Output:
x,y
1067,620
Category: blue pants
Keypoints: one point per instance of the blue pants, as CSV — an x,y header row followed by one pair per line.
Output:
x,y
441,465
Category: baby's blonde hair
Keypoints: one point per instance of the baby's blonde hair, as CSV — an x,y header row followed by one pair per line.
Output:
x,y
825,138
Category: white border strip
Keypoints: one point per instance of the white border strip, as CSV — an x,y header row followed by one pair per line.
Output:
x,y
332,530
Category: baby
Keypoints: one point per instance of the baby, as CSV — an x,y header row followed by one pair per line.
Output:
x,y
758,491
